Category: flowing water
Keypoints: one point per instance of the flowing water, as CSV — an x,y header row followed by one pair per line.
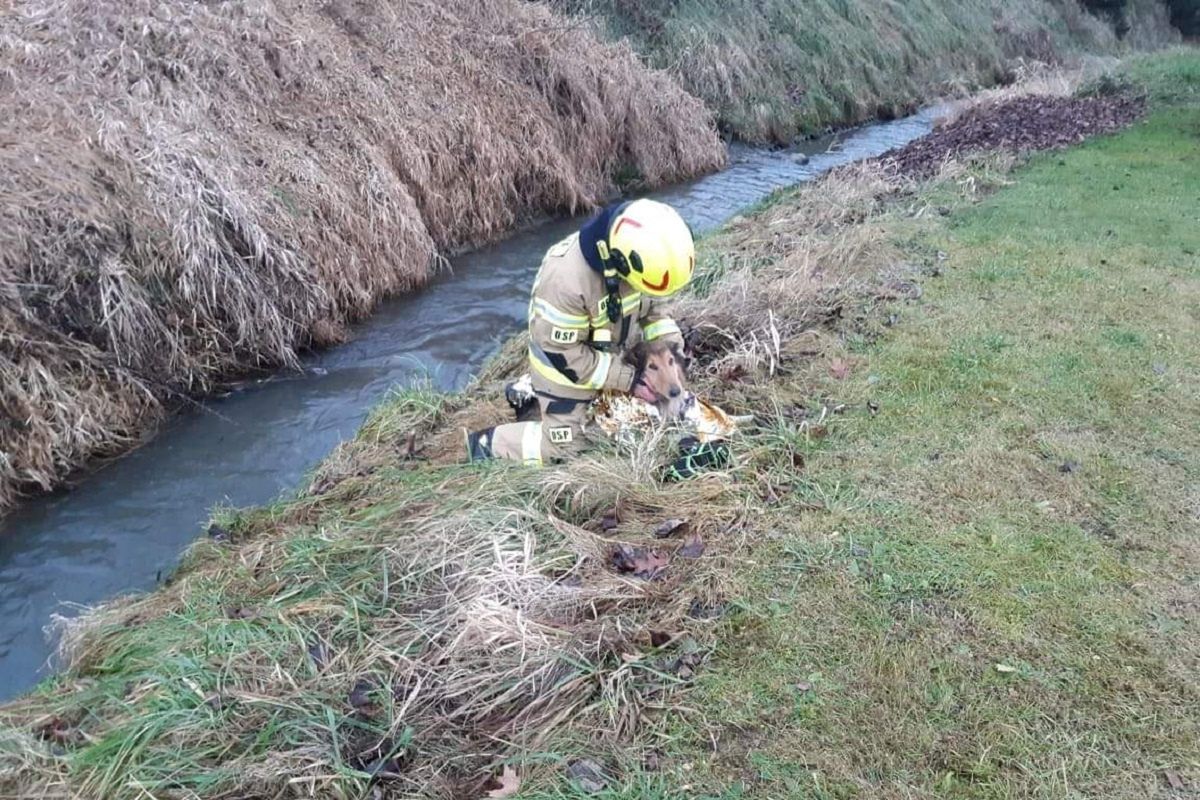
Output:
x,y
123,528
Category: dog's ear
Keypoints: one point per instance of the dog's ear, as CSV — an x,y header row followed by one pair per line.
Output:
x,y
682,358
635,356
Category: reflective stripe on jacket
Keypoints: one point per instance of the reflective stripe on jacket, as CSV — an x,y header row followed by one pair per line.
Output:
x,y
574,350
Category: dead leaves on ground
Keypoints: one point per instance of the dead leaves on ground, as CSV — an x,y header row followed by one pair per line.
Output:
x,y
671,527
640,561
650,563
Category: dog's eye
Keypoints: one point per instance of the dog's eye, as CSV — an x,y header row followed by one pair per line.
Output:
x,y
654,367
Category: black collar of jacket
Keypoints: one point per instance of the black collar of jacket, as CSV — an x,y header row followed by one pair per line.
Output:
x,y
595,230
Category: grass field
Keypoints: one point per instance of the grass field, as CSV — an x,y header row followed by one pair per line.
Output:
x,y
986,582
958,559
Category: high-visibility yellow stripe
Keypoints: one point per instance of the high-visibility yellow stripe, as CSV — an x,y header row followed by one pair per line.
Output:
x,y
600,374
629,304
556,317
531,444
655,330
547,371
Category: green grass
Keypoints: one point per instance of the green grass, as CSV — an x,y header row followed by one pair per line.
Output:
x,y
998,596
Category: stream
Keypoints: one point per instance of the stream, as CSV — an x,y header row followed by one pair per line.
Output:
x,y
123,527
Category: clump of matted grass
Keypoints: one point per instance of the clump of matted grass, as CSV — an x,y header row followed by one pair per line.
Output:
x,y
192,190
404,632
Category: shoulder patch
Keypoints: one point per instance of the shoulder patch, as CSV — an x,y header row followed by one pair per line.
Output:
x,y
561,435
564,335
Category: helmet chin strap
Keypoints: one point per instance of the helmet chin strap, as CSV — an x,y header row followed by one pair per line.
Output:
x,y
615,267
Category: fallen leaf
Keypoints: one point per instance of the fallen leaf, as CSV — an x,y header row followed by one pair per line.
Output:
x,y
587,775
360,695
642,563
1005,668
319,654
839,368
509,783
60,731
1173,780
670,527
693,546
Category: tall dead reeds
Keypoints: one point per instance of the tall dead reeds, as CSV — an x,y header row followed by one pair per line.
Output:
x,y
192,190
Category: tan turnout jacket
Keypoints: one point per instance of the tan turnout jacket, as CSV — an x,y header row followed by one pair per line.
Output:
x,y
574,350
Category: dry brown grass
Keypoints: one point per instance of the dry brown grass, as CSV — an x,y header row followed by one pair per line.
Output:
x,y
194,190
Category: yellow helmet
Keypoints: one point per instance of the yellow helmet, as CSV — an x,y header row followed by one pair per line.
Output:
x,y
656,244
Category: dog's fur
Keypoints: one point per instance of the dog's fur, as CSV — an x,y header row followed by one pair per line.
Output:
x,y
663,371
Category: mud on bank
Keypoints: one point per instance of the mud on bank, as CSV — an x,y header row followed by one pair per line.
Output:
x,y
191,191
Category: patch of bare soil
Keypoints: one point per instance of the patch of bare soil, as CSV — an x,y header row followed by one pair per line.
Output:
x,y
1023,124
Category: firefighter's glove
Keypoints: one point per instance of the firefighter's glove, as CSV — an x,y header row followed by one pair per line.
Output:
x,y
697,457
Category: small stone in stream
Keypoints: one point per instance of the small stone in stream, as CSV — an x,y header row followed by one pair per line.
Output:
x,y
1068,467
218,533
671,527
587,775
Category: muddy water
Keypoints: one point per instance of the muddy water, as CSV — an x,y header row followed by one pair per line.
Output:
x,y
124,527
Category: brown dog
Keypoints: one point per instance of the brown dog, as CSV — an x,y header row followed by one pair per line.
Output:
x,y
662,372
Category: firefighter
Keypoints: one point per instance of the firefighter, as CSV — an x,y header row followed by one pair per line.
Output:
x,y
592,289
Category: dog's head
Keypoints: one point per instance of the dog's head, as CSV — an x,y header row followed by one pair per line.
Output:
x,y
662,370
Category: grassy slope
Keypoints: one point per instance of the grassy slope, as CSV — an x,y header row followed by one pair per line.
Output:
x,y
919,548
777,68
998,597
